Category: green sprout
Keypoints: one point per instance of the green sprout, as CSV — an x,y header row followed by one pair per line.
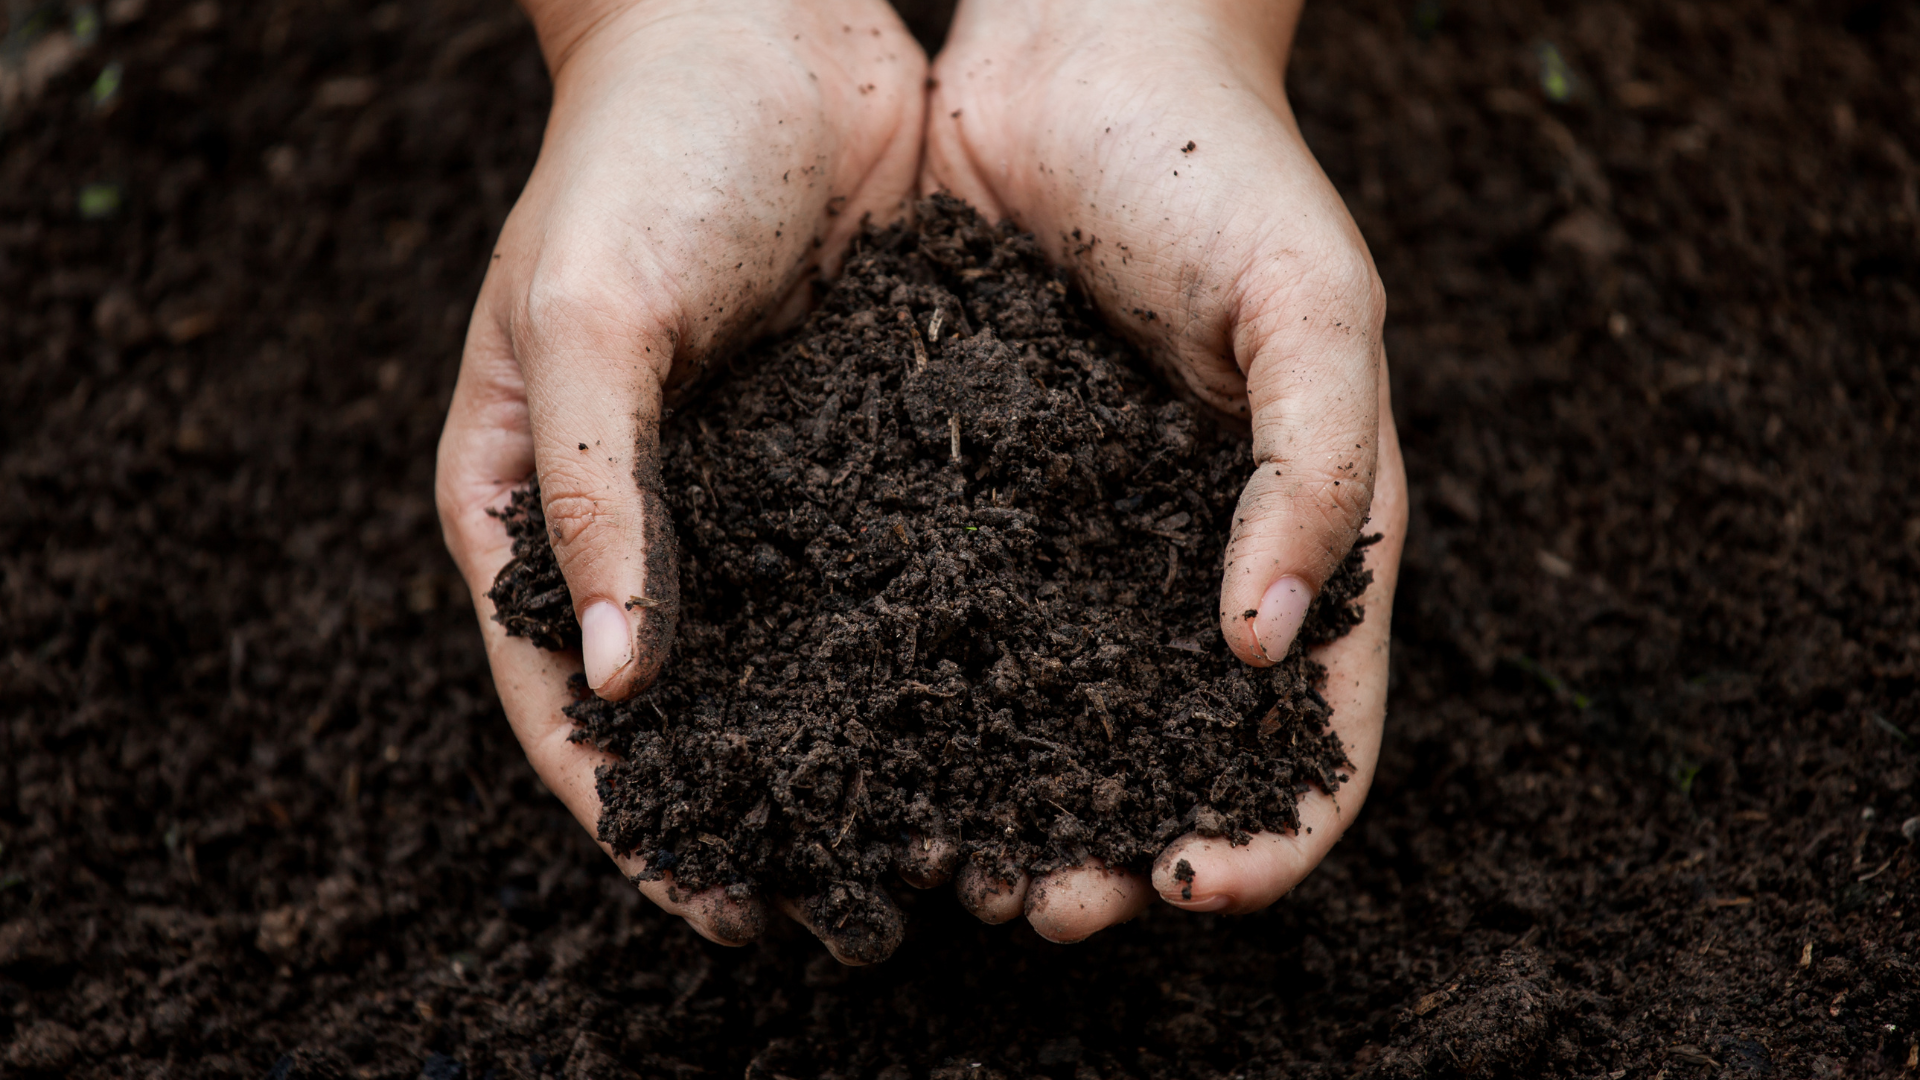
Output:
x,y
1551,681
1556,77
99,202
29,29
107,86
1891,728
1686,774
86,25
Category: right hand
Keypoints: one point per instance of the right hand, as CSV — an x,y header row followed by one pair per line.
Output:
x,y
703,160
1151,145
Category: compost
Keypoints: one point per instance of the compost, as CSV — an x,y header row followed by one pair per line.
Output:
x,y
955,586
1643,805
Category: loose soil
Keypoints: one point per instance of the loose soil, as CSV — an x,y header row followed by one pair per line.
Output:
x,y
1642,803
956,588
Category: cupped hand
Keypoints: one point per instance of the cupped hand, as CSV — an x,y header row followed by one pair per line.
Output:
x,y
702,161
1151,144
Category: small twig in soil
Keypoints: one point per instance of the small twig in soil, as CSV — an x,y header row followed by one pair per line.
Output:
x,y
1100,702
1099,428
919,346
853,808
1044,744
953,429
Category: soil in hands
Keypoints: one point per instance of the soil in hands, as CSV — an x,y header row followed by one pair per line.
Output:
x,y
949,571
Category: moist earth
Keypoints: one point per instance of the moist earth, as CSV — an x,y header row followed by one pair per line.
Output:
x,y
948,574
1644,799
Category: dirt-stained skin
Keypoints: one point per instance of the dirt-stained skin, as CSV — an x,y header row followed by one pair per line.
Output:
x,y
657,610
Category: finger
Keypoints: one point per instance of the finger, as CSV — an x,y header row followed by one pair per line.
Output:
x,y
866,937
926,861
595,365
990,896
946,167
948,162
486,452
1072,905
1217,876
1314,391
532,685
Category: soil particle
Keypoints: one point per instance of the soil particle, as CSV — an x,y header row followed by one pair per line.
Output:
x,y
317,1064
1489,1022
915,603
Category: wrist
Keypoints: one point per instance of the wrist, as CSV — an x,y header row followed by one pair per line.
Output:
x,y
1251,27
566,28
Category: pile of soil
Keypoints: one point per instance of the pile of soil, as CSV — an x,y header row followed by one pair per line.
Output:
x,y
914,601
1649,766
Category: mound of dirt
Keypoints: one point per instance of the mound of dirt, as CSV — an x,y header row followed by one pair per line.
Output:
x,y
949,564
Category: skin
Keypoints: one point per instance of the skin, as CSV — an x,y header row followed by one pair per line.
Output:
x,y
1152,144
703,159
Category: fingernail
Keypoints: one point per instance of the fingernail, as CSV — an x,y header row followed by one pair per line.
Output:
x,y
1211,903
1282,611
606,642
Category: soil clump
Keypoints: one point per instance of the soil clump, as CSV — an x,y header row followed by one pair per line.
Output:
x,y
949,562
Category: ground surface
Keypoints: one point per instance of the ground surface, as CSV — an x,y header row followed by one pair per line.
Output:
x,y
1651,743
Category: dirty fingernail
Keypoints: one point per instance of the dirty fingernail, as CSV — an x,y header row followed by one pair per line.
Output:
x,y
1282,611
1211,903
606,642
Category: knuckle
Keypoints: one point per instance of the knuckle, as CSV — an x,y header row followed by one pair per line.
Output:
x,y
1334,276
581,522
451,509
446,489
568,291
586,300
1357,280
1315,513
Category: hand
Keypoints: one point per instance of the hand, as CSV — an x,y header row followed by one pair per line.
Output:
x,y
702,160
1150,143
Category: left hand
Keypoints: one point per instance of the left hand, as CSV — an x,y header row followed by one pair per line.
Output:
x,y
1151,145
702,159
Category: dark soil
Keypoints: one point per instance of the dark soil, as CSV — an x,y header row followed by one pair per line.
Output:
x,y
917,600
1642,805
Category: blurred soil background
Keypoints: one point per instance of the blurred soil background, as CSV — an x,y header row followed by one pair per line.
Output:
x,y
1647,806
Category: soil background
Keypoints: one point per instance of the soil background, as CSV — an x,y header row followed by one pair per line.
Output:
x,y
1651,745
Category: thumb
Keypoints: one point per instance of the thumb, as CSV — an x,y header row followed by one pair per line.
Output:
x,y
1313,388
594,410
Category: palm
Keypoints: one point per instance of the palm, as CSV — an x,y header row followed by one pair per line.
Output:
x,y
1154,150
702,160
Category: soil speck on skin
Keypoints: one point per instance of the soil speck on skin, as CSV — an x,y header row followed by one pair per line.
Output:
x,y
1183,873
932,543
